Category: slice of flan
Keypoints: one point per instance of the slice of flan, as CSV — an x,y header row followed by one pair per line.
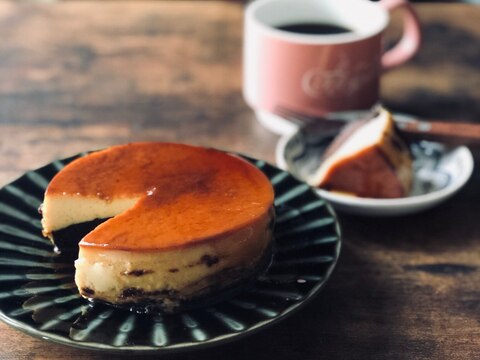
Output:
x,y
161,223
367,159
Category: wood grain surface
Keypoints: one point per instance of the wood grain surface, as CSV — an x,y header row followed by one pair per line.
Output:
x,y
77,76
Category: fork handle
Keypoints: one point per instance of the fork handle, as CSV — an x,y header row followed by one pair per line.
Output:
x,y
448,132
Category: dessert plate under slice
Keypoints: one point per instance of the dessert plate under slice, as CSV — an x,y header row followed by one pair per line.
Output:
x,y
439,172
38,295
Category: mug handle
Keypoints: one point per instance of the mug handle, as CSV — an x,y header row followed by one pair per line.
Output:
x,y
411,39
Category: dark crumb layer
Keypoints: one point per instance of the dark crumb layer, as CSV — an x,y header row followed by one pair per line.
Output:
x,y
87,291
138,272
140,293
209,260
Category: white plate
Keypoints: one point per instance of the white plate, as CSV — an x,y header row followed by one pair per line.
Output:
x,y
439,172
275,123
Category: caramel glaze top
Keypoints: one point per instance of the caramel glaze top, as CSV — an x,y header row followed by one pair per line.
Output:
x,y
186,194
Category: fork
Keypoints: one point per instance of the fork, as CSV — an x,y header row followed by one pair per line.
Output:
x,y
458,133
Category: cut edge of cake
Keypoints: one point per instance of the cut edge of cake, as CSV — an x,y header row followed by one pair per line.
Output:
x,y
368,153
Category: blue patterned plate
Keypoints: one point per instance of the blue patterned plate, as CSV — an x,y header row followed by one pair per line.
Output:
x,y
38,295
439,171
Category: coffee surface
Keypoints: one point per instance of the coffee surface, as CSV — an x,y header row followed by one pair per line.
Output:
x,y
314,28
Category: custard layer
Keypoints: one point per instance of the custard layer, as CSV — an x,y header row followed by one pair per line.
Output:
x,y
119,276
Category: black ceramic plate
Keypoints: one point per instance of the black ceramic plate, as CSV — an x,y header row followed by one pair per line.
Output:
x,y
38,294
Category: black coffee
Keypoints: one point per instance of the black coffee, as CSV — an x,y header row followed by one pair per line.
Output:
x,y
314,28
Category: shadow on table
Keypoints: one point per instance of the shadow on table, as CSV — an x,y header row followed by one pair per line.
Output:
x,y
452,225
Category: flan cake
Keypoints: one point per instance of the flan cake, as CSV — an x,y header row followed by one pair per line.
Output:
x,y
162,223
367,159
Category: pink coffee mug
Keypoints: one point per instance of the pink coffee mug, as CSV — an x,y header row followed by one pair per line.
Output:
x,y
314,74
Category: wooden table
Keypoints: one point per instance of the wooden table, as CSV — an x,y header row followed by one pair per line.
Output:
x,y
84,75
